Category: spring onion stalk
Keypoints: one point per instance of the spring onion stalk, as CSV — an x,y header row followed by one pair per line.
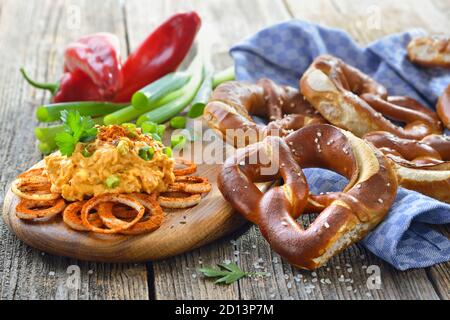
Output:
x,y
130,113
46,136
52,112
203,94
168,111
156,90
223,76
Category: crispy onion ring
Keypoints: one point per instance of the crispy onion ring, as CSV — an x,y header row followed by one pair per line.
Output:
x,y
72,218
190,184
100,201
179,200
26,183
39,209
108,215
32,173
189,167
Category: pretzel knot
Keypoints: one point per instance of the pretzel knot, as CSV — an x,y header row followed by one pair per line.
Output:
x,y
345,217
422,165
232,103
352,100
431,51
443,107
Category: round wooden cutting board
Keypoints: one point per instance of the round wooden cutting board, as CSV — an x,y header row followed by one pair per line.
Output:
x,y
181,231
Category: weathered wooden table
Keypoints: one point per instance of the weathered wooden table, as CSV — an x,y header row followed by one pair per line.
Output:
x,y
34,33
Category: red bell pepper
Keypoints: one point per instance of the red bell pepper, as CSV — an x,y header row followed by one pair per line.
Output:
x,y
93,71
77,86
98,56
162,52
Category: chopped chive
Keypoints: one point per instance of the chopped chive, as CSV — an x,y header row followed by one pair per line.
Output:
x,y
86,152
178,122
178,141
168,151
146,153
112,181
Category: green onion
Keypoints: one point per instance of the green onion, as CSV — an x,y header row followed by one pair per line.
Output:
x,y
148,127
52,112
168,151
85,152
178,141
156,136
131,130
202,97
178,122
223,76
158,89
173,108
160,130
112,181
45,148
130,113
146,153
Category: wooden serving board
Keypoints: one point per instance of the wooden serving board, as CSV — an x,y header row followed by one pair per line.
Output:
x,y
181,231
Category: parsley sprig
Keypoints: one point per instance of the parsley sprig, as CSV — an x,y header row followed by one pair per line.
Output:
x,y
228,273
76,129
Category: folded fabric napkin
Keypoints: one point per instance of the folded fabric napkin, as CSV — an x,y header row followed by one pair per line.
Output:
x,y
284,51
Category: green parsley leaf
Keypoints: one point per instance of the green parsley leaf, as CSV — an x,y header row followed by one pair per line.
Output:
x,y
76,129
228,273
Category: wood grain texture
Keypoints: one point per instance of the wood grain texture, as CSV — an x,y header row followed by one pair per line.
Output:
x,y
369,20
33,34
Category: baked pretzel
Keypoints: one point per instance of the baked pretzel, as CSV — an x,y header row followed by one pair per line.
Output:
x,y
231,105
430,51
423,166
443,107
346,216
352,100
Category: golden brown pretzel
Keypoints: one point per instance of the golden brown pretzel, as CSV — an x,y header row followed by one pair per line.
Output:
x,y
232,104
423,165
346,216
443,107
341,94
431,51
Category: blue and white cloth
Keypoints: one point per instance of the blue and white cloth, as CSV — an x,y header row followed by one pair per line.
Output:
x,y
284,51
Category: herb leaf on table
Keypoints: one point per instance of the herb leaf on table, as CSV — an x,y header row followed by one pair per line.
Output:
x,y
227,273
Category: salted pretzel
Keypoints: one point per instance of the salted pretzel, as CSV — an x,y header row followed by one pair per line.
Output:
x,y
443,107
423,166
352,100
345,217
430,51
232,103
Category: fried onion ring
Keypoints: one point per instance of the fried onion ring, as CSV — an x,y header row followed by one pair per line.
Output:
x,y
108,215
72,217
190,184
39,209
105,198
179,200
32,182
189,167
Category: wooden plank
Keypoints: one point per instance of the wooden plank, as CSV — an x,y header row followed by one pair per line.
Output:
x,y
346,276
33,34
369,20
223,24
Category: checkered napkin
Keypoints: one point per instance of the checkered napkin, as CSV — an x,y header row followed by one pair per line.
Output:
x,y
284,51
